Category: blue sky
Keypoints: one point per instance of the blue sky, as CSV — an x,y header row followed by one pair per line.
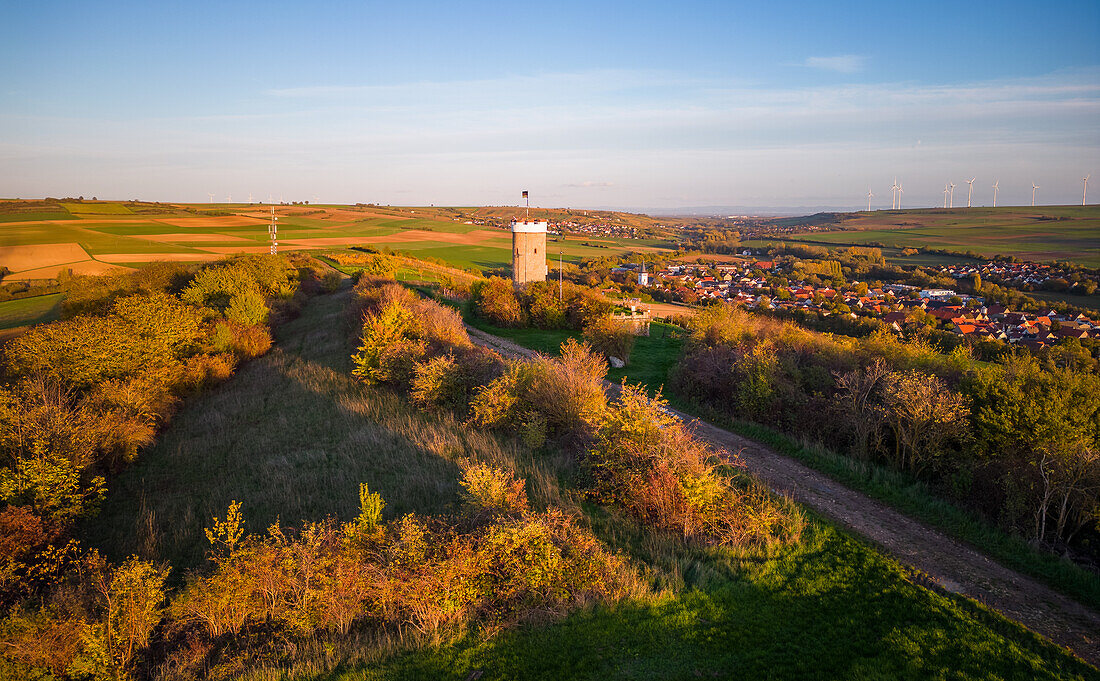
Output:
x,y
644,105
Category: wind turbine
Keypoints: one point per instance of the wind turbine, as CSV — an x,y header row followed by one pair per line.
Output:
x,y
1085,191
894,195
952,194
211,195
970,192
1033,188
229,199
250,197
995,193
946,191
900,192
869,195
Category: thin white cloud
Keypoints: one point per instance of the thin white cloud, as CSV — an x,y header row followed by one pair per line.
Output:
x,y
844,63
644,134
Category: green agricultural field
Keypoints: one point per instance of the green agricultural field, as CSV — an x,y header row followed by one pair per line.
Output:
x,y
431,225
27,311
106,228
36,216
97,208
1041,233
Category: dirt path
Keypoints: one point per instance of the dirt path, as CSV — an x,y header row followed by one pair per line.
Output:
x,y
953,565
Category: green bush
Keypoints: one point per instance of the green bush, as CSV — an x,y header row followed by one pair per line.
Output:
x,y
610,338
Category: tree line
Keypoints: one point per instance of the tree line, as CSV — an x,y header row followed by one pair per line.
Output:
x,y
1015,439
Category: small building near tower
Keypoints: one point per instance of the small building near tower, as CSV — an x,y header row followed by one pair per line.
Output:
x,y
643,277
528,251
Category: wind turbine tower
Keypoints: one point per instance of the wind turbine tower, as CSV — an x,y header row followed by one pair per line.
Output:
x,y
970,192
1033,188
900,192
869,195
995,193
946,191
894,195
1085,191
250,197
952,194
229,199
211,195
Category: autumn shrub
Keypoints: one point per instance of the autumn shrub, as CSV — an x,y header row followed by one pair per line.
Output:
x,y
452,380
492,489
243,288
206,370
95,294
437,383
647,462
242,341
388,353
140,332
41,643
610,338
129,603
412,571
566,391
418,344
494,300
541,304
331,281
247,308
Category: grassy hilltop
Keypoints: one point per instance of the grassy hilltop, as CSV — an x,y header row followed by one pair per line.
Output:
x,y
827,607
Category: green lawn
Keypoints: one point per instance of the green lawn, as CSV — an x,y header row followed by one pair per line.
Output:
x,y
26,311
652,358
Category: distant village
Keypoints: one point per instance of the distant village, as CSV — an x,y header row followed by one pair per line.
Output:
x,y
899,306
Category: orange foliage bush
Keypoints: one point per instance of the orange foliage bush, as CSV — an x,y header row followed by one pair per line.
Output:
x,y
243,341
412,571
646,461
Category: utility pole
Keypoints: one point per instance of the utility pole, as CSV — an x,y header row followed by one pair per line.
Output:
x,y
561,298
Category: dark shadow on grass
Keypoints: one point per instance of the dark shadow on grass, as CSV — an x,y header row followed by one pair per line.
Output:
x,y
832,610
290,436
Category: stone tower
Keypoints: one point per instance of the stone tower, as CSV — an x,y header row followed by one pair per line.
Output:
x,y
528,251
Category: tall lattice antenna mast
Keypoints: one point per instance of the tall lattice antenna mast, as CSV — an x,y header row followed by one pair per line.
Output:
x,y
273,230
